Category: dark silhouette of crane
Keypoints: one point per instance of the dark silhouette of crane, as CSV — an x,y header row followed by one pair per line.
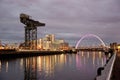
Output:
x,y
30,31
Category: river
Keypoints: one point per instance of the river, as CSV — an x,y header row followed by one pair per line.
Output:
x,y
80,66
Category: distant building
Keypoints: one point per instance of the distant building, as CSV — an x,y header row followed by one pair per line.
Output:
x,y
1,46
50,37
118,47
115,46
40,44
64,46
50,43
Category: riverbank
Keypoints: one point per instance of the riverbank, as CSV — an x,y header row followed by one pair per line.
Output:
x,y
4,54
16,54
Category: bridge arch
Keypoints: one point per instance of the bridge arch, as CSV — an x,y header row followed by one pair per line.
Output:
x,y
89,35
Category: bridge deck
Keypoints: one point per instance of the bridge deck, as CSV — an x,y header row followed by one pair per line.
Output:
x,y
116,69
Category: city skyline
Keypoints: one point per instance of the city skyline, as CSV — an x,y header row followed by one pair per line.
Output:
x,y
68,20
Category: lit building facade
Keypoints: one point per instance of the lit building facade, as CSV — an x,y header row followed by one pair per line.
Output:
x,y
64,46
115,46
118,47
50,43
40,44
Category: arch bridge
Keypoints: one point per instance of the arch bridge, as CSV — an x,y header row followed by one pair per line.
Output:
x,y
103,48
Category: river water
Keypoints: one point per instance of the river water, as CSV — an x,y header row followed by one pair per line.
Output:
x,y
80,66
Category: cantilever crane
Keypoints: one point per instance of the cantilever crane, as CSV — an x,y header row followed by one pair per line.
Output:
x,y
30,31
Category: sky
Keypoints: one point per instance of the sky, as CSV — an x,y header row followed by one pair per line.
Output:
x,y
67,19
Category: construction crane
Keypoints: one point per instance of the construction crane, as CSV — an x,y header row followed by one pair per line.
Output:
x,y
30,31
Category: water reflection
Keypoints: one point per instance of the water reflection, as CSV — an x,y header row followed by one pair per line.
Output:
x,y
30,67
43,66
95,57
0,66
88,53
21,63
81,66
7,66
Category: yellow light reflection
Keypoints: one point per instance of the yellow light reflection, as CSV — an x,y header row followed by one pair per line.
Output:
x,y
0,65
100,54
44,63
55,58
61,58
93,58
39,63
7,66
48,65
21,63
34,63
82,53
88,54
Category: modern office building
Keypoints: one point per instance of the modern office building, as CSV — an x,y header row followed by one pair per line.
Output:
x,y
50,43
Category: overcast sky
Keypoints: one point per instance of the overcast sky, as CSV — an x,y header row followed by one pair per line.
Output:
x,y
67,19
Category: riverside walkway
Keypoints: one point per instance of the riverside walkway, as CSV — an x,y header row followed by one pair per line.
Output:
x,y
116,68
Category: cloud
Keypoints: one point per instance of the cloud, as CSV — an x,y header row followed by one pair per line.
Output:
x,y
67,19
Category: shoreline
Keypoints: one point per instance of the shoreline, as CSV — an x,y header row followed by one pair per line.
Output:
x,y
7,54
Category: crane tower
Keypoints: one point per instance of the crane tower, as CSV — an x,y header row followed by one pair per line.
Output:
x,y
30,30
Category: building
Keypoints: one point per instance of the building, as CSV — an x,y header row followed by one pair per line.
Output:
x,y
118,47
64,46
1,46
50,43
115,46
40,44
50,37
